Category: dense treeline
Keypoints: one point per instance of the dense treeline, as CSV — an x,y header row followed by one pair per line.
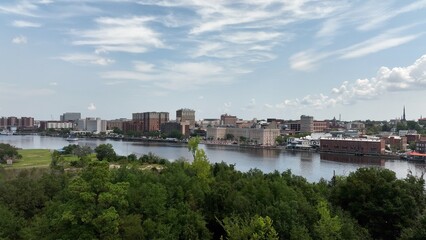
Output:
x,y
198,200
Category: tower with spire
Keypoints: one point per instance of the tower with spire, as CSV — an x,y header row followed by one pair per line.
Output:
x,y
403,114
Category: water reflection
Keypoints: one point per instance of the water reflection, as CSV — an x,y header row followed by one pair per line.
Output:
x,y
306,156
343,158
259,152
310,165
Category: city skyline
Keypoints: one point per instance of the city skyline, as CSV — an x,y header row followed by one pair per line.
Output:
x,y
253,59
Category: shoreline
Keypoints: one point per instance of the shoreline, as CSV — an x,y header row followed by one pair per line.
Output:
x,y
230,145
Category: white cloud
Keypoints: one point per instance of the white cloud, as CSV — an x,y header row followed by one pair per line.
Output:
x,y
387,80
329,28
24,8
53,84
378,17
377,44
45,1
86,59
25,24
20,40
177,76
120,35
309,59
91,107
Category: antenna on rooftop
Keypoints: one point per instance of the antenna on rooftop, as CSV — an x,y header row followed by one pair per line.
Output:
x,y
340,117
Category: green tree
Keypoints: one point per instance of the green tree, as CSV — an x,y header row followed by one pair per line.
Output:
x,y
10,225
379,201
229,136
105,151
8,151
82,151
257,228
327,227
90,207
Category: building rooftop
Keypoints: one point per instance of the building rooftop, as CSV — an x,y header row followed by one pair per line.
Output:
x,y
353,139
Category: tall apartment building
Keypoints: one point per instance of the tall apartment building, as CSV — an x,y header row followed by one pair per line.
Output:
x,y
23,122
12,121
26,122
70,116
228,120
151,120
186,115
306,124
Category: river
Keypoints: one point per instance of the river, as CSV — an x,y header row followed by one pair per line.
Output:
x,y
312,166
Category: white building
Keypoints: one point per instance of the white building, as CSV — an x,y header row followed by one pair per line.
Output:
x,y
94,125
260,136
55,125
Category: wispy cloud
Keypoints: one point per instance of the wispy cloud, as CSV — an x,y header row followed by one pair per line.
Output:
x,y
176,76
309,59
120,35
84,59
387,80
19,40
24,8
376,44
25,24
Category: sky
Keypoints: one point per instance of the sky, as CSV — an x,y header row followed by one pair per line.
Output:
x,y
250,58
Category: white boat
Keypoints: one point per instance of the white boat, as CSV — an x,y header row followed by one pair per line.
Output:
x,y
6,133
72,139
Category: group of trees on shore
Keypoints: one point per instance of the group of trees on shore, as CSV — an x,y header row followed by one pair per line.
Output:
x,y
198,200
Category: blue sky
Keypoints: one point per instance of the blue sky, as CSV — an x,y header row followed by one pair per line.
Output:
x,y
252,58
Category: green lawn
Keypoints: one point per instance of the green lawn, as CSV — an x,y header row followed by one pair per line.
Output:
x,y
32,158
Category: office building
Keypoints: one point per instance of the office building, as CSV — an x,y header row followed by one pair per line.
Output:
x,y
186,115
70,116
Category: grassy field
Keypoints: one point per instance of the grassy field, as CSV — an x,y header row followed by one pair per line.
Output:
x,y
32,158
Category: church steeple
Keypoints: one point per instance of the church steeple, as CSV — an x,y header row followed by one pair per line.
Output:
x,y
403,114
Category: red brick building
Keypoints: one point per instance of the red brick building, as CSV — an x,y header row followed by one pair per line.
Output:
x,y
151,120
357,146
133,127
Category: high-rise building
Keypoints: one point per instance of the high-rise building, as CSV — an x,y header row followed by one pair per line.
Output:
x,y
186,115
12,121
95,125
151,120
26,122
70,116
306,124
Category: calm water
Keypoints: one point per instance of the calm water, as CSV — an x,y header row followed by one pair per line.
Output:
x,y
312,166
